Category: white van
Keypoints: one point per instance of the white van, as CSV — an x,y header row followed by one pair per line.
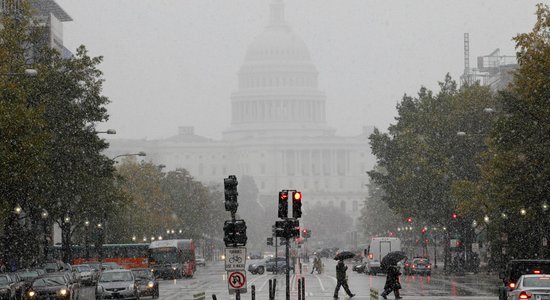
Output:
x,y
378,248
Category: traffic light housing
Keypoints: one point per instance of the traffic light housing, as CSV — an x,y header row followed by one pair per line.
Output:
x,y
230,185
287,229
283,205
297,204
235,233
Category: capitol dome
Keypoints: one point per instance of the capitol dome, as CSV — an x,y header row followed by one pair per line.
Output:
x,y
278,92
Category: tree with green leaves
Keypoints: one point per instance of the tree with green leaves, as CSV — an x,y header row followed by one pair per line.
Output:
x,y
52,154
515,184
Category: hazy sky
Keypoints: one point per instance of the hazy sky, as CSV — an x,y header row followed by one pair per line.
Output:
x,y
169,63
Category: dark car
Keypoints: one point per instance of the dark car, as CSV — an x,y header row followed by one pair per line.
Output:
x,y
360,267
50,286
277,265
53,266
7,287
148,284
28,275
517,267
20,285
418,265
268,264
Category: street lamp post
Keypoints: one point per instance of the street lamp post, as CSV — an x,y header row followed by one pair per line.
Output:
x,y
86,241
44,216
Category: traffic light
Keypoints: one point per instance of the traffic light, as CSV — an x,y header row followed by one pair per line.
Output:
x,y
283,205
230,184
287,228
270,241
297,205
235,233
454,215
409,220
306,233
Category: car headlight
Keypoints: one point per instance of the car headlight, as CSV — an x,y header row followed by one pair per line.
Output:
x,y
150,284
32,294
63,292
223,257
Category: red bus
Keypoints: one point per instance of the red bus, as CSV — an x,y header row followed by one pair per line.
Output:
x,y
126,255
172,258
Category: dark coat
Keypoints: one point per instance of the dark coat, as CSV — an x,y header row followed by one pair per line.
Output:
x,y
392,278
341,269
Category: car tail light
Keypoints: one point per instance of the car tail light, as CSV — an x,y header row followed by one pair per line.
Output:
x,y
512,285
536,271
429,266
524,295
406,264
413,266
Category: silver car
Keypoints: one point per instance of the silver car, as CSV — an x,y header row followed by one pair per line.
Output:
x,y
531,286
117,284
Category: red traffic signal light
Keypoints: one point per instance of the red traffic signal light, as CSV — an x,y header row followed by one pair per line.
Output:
x,y
454,216
409,219
423,230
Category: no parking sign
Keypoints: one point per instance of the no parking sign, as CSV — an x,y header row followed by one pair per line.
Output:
x,y
236,281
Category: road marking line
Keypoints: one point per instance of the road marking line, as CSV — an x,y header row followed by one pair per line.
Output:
x,y
320,283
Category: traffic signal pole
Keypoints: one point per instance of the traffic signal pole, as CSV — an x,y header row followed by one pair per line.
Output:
x,y
287,254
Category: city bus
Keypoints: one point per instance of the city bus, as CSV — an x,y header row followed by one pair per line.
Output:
x,y
172,258
127,256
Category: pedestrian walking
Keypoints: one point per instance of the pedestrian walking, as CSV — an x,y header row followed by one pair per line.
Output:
x,y
392,282
342,280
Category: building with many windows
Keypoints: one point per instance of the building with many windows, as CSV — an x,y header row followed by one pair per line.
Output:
x,y
278,134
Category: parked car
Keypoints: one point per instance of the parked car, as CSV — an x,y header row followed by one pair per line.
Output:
x,y
517,267
7,287
200,261
418,265
50,286
119,284
148,284
531,286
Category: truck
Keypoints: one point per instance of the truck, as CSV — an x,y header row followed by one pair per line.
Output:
x,y
377,249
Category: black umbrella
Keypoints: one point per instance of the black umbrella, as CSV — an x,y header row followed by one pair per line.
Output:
x,y
392,258
344,255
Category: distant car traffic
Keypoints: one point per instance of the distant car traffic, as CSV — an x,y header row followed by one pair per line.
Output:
x,y
85,274
418,265
517,267
200,261
531,286
148,284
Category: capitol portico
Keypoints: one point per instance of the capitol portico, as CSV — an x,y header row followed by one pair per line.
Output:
x,y
278,133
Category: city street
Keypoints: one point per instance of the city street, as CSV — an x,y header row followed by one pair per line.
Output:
x,y
212,280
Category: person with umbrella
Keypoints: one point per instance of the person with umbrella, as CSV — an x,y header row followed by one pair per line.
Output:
x,y
389,264
341,277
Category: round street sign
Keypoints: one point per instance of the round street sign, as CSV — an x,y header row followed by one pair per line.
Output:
x,y
236,280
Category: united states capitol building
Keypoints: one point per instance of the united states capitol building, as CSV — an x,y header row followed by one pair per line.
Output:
x,y
278,133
